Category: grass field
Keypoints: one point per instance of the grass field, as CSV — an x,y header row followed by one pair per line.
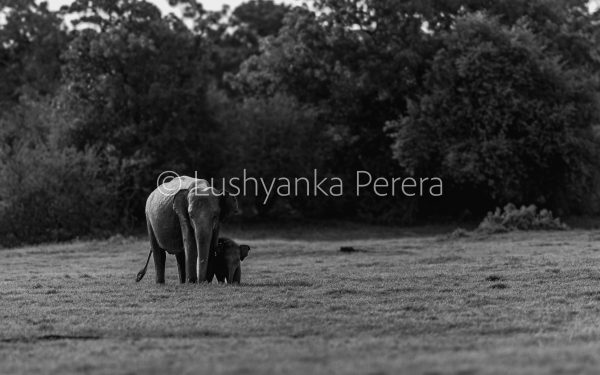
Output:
x,y
412,301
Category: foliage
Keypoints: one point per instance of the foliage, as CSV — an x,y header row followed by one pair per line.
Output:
x,y
364,62
233,35
251,22
497,98
525,218
358,78
264,17
502,120
272,138
141,84
50,192
31,40
565,27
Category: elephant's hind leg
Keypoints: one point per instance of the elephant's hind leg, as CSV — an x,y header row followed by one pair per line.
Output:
x,y
160,257
158,254
181,265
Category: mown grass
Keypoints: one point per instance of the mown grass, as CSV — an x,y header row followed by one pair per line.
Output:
x,y
408,302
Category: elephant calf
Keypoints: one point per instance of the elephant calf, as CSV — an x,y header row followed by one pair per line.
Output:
x,y
225,261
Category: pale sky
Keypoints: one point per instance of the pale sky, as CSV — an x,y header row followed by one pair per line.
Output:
x,y
217,4
164,4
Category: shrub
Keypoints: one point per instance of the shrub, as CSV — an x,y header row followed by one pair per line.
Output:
x,y
525,218
458,233
50,193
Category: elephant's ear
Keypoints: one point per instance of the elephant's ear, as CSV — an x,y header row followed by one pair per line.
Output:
x,y
244,250
180,201
228,204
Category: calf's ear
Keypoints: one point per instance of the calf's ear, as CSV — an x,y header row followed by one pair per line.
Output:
x,y
244,250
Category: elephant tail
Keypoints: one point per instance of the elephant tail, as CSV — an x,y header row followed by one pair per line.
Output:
x,y
142,272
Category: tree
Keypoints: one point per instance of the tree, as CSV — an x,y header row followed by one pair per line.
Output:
x,y
31,40
502,121
263,17
138,88
357,67
361,63
234,35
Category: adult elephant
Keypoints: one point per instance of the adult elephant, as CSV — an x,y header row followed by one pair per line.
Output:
x,y
183,218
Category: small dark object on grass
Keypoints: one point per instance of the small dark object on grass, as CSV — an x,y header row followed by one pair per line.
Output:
x,y
499,286
493,278
350,249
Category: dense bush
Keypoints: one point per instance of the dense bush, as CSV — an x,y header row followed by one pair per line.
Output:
x,y
525,218
271,138
49,192
52,195
502,121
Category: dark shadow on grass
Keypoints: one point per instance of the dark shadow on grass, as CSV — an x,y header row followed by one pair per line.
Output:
x,y
328,230
508,331
202,333
493,278
13,340
195,334
276,284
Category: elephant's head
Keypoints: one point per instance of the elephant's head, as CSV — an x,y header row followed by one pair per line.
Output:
x,y
229,256
211,202
207,207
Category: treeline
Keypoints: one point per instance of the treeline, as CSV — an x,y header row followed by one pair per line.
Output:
x,y
499,99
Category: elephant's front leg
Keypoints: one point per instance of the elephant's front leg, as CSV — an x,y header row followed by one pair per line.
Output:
x,y
181,265
189,250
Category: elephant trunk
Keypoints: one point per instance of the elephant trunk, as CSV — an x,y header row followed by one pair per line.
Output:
x,y
204,243
207,244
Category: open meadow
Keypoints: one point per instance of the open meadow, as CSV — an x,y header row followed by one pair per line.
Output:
x,y
412,301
